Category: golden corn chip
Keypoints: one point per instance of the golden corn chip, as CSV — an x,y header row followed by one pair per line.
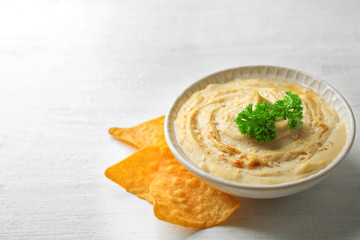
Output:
x,y
136,172
182,199
142,135
154,174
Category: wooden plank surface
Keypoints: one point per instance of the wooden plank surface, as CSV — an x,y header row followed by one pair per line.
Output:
x,y
69,70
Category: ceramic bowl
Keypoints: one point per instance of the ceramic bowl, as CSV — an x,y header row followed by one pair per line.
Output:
x,y
269,73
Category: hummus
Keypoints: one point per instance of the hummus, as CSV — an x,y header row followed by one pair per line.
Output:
x,y
206,130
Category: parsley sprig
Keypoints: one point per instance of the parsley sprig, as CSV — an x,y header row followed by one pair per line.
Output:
x,y
259,123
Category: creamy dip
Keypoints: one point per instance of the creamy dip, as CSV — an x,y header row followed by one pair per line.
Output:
x,y
206,130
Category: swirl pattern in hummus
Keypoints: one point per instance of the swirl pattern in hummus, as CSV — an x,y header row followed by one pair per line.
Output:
x,y
206,130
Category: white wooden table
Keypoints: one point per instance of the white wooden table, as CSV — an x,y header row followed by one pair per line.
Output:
x,y
70,70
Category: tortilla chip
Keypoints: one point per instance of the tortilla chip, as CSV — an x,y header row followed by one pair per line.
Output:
x,y
136,172
182,199
154,174
142,135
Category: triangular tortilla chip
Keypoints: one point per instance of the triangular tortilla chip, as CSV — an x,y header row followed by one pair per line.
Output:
x,y
136,172
142,135
154,174
182,199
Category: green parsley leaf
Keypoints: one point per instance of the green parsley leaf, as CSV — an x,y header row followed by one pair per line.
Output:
x,y
289,108
259,123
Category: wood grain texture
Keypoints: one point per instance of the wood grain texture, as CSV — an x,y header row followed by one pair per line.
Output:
x,y
70,70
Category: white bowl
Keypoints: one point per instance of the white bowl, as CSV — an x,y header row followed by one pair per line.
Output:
x,y
269,73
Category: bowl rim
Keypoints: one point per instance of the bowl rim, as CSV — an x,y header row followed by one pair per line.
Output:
x,y
321,174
